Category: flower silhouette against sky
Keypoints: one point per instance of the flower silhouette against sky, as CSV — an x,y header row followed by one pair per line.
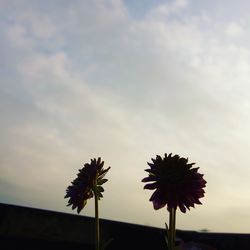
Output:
x,y
87,184
176,183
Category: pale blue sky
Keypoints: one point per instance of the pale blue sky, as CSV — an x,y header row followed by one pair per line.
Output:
x,y
126,80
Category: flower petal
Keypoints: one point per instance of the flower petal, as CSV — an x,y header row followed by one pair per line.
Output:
x,y
151,186
149,178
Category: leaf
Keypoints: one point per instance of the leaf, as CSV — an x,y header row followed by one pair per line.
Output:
x,y
99,195
99,189
101,181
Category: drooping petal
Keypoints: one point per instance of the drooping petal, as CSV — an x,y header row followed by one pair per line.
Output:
x,y
157,201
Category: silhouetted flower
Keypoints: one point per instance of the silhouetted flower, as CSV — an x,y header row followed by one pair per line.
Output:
x,y
177,184
88,182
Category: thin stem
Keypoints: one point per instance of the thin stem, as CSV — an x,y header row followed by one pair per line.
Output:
x,y
171,232
97,229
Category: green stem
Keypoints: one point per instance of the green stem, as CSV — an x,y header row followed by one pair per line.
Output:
x,y
171,232
97,230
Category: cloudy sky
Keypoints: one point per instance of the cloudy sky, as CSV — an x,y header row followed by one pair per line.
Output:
x,y
126,80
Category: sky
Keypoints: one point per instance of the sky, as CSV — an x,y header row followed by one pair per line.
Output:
x,y
126,81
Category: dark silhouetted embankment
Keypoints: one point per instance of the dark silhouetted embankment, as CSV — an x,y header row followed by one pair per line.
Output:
x,y
29,228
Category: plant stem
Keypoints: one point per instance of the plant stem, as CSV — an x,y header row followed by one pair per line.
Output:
x,y
171,232
97,230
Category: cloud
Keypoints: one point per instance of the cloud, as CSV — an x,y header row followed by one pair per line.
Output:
x,y
87,79
234,30
166,9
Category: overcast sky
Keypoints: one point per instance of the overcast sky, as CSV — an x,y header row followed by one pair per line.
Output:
x,y
126,80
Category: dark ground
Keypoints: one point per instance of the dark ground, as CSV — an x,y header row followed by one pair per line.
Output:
x,y
29,228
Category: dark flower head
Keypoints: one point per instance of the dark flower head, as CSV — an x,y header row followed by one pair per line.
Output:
x,y
176,183
87,184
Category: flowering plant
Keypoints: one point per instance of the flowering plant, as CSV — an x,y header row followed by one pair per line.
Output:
x,y
88,184
176,184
